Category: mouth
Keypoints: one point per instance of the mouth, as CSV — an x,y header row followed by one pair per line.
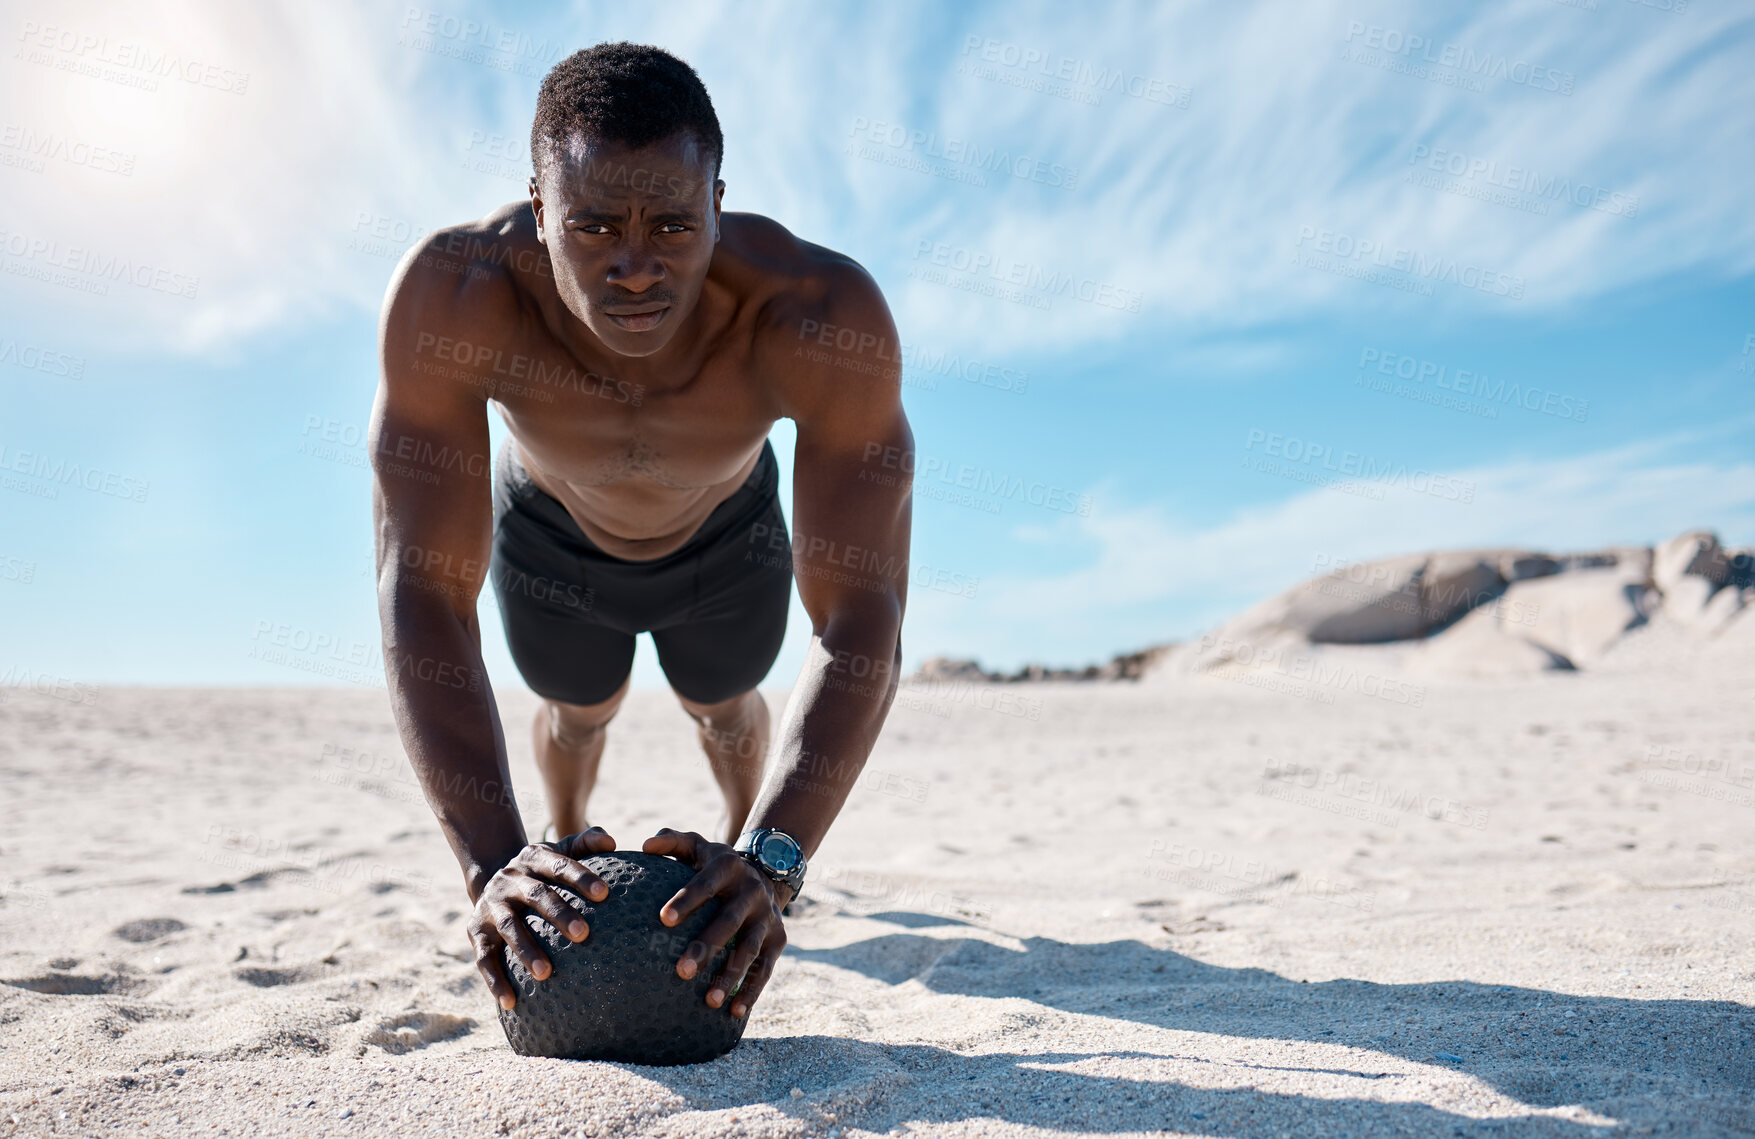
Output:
x,y
641,319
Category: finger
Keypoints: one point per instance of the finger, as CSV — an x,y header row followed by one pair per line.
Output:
x,y
516,934
552,865
554,908
760,971
704,885
592,840
701,950
737,964
487,963
681,845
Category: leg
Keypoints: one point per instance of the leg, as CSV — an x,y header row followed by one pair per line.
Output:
x,y
734,734
714,667
568,740
723,647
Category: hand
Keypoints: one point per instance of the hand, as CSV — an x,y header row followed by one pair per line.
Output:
x,y
526,884
749,909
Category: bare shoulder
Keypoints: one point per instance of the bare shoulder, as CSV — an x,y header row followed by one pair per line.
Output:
x,y
464,280
822,316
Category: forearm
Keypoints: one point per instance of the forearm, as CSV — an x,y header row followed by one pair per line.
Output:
x,y
450,730
830,725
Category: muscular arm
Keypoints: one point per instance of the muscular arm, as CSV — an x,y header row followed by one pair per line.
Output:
x,y
433,513
433,516
851,499
851,505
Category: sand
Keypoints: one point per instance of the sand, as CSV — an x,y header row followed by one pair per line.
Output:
x,y
1185,906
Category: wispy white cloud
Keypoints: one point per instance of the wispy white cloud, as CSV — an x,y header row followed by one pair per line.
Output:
x,y
1197,208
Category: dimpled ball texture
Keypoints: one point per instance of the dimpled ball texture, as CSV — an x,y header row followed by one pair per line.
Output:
x,y
616,995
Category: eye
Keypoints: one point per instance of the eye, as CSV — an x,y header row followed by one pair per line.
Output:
x,y
673,227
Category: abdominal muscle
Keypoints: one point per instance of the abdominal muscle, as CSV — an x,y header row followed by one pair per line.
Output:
x,y
635,516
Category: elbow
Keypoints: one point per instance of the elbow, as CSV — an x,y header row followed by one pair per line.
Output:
x,y
409,601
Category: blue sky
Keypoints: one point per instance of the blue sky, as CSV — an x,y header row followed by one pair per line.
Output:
x,y
1197,297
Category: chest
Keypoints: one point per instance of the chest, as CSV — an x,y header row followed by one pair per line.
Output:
x,y
591,428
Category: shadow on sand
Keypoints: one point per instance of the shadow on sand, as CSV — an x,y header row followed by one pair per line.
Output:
x,y
1645,1064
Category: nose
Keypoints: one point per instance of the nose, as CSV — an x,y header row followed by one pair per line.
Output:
x,y
636,268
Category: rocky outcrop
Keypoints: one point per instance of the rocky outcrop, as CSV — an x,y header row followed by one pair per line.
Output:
x,y
1489,612
1127,666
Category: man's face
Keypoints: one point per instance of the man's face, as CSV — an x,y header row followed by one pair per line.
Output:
x,y
631,234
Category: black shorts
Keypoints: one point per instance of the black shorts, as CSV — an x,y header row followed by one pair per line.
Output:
x,y
716,608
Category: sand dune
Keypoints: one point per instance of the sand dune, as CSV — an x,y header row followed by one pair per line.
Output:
x,y
1194,905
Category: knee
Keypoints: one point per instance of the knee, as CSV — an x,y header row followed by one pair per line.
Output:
x,y
733,717
572,727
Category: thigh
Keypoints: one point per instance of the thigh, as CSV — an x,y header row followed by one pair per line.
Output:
x,y
561,657
550,611
711,660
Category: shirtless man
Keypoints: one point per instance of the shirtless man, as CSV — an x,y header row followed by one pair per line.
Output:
x,y
639,344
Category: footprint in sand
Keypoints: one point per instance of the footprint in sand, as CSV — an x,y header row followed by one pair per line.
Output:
x,y
270,978
148,929
72,985
413,1030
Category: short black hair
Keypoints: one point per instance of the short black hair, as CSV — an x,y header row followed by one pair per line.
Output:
x,y
633,94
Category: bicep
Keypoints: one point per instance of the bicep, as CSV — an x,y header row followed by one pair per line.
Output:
x,y
432,469
852,511
854,466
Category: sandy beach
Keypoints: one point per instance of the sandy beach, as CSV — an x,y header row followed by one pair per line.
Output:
x,y
1180,906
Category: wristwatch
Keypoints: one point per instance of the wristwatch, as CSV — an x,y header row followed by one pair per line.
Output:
x,y
776,854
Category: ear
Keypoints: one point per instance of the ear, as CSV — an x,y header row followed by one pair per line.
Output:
x,y
536,208
718,204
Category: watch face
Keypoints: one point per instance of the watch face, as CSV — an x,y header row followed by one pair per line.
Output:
x,y
779,852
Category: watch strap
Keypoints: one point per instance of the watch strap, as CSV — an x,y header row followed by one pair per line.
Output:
x,y
751,840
